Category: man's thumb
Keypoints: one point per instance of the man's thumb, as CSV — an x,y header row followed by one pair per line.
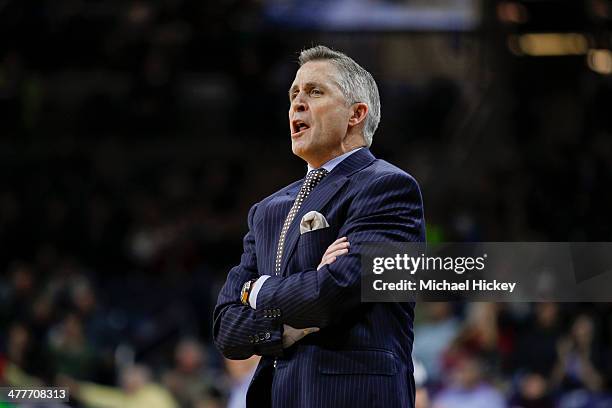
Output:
x,y
309,330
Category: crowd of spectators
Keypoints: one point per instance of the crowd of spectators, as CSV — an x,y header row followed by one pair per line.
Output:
x,y
60,329
63,329
540,355
135,135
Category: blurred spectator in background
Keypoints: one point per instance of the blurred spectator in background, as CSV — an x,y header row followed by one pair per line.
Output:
x,y
70,353
137,391
579,358
17,344
435,333
533,392
240,375
190,379
479,336
467,387
536,343
421,399
19,292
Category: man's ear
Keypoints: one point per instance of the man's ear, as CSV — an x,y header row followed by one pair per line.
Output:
x,y
359,112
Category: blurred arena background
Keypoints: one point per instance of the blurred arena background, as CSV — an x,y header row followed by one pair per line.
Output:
x,y
135,135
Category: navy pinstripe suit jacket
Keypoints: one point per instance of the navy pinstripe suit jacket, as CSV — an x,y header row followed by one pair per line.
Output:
x,y
361,357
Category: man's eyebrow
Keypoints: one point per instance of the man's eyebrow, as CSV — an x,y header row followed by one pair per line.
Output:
x,y
306,85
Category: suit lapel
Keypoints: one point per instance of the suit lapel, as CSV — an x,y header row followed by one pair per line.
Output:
x,y
320,196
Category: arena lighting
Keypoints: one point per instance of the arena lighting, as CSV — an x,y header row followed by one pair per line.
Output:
x,y
548,44
600,61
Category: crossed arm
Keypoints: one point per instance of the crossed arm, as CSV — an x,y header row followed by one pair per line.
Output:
x,y
388,210
236,325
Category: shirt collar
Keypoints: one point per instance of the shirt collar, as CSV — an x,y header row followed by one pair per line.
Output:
x,y
330,165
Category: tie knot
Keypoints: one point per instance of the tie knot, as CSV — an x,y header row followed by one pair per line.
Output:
x,y
317,173
313,178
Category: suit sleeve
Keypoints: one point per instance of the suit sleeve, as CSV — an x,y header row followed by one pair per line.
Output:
x,y
238,332
389,209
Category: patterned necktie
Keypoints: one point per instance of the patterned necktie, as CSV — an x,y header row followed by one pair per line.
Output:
x,y
312,179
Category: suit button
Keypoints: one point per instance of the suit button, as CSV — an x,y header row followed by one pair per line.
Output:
x,y
251,339
265,312
267,336
278,312
262,336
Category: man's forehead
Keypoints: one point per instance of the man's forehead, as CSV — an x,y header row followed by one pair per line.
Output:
x,y
316,71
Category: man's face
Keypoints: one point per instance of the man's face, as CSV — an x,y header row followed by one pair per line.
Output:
x,y
318,113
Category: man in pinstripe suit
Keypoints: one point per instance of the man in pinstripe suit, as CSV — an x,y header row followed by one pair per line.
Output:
x,y
294,298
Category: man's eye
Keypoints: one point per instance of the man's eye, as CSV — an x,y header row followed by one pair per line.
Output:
x,y
315,91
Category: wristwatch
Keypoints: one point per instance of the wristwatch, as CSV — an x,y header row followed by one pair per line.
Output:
x,y
246,291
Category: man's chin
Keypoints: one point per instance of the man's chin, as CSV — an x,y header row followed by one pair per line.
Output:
x,y
299,148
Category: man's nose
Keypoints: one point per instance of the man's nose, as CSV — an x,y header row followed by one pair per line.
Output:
x,y
298,104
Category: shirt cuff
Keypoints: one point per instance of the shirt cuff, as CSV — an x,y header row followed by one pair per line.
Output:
x,y
255,290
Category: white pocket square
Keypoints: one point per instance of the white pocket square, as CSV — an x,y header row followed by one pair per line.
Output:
x,y
313,221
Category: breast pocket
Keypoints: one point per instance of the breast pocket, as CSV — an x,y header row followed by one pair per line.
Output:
x,y
312,245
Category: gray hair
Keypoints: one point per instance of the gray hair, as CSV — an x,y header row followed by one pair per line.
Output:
x,y
356,84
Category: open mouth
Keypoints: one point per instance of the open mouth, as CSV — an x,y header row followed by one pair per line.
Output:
x,y
298,126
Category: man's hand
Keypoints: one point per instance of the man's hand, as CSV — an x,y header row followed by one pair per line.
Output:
x,y
292,335
337,248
